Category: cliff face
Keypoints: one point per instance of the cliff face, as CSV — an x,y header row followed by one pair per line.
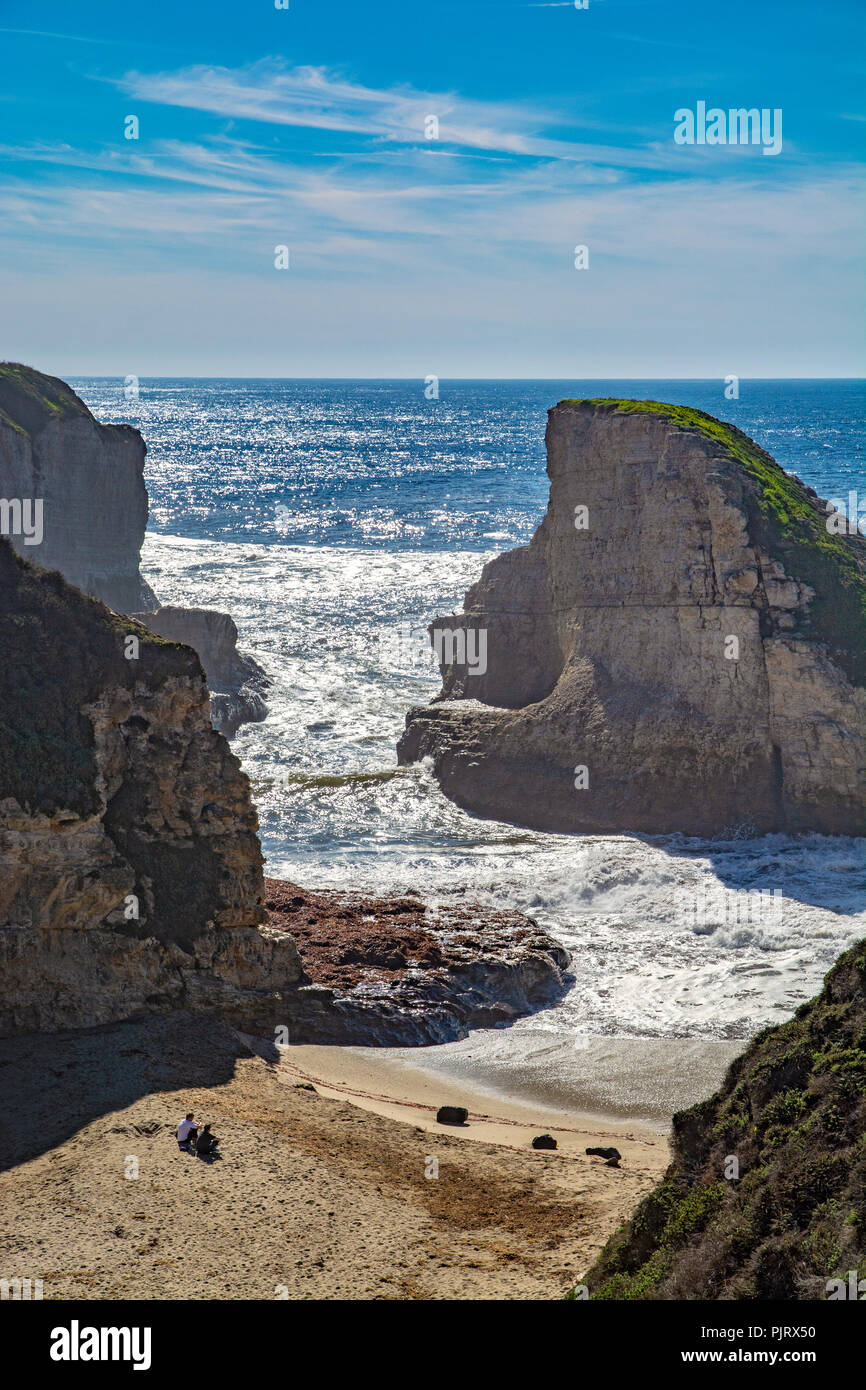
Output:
x,y
235,682
87,482
766,1195
131,871
89,479
681,646
130,867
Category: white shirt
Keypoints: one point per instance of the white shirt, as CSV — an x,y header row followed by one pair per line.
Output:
x,y
184,1128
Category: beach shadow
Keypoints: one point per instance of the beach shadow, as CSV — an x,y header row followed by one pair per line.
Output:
x,y
55,1084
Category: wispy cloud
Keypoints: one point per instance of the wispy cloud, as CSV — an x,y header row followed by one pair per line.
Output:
x,y
463,240
271,93
500,181
316,98
67,38
228,197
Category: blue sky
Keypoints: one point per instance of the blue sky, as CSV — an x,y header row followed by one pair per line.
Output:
x,y
412,256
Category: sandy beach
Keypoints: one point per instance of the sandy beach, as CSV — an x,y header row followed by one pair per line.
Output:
x,y
388,1082
324,1193
543,1069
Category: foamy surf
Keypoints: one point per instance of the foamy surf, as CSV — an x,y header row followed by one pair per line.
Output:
x,y
669,938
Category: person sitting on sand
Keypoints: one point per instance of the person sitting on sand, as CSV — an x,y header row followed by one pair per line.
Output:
x,y
206,1142
187,1132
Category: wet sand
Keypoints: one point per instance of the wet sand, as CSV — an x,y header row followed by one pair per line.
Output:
x,y
394,1087
539,1075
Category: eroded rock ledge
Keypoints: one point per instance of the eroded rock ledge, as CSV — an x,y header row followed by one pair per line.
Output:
x,y
397,972
236,682
680,648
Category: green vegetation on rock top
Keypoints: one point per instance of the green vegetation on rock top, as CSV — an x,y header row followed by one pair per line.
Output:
x,y
786,520
29,399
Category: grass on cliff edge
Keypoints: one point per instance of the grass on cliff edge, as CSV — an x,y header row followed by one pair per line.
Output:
x,y
785,519
792,1112
29,399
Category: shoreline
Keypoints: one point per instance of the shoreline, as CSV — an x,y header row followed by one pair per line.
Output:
x,y
529,1074
314,1197
391,1086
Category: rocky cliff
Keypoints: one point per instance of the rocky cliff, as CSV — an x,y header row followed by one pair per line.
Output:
x,y
130,867
236,682
75,501
681,646
89,479
766,1195
131,871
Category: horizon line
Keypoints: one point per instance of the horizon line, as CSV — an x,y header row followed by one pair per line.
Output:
x,y
99,376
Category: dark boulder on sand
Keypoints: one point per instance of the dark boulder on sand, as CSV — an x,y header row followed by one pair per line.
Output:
x,y
451,1115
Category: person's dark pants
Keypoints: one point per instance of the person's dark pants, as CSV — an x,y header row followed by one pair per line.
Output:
x,y
188,1141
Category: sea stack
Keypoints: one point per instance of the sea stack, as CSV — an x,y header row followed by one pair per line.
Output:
x,y
73,499
680,648
86,478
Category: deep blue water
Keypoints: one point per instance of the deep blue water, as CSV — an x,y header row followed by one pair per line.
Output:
x,y
334,520
374,463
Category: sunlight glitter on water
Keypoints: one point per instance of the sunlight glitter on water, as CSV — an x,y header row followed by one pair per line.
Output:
x,y
336,811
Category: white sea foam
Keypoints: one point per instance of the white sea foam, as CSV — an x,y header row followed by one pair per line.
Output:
x,y
663,938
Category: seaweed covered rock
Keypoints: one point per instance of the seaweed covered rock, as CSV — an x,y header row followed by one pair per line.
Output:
x,y
766,1194
680,648
398,972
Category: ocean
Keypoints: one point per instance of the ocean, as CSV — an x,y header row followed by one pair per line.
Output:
x,y
334,519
